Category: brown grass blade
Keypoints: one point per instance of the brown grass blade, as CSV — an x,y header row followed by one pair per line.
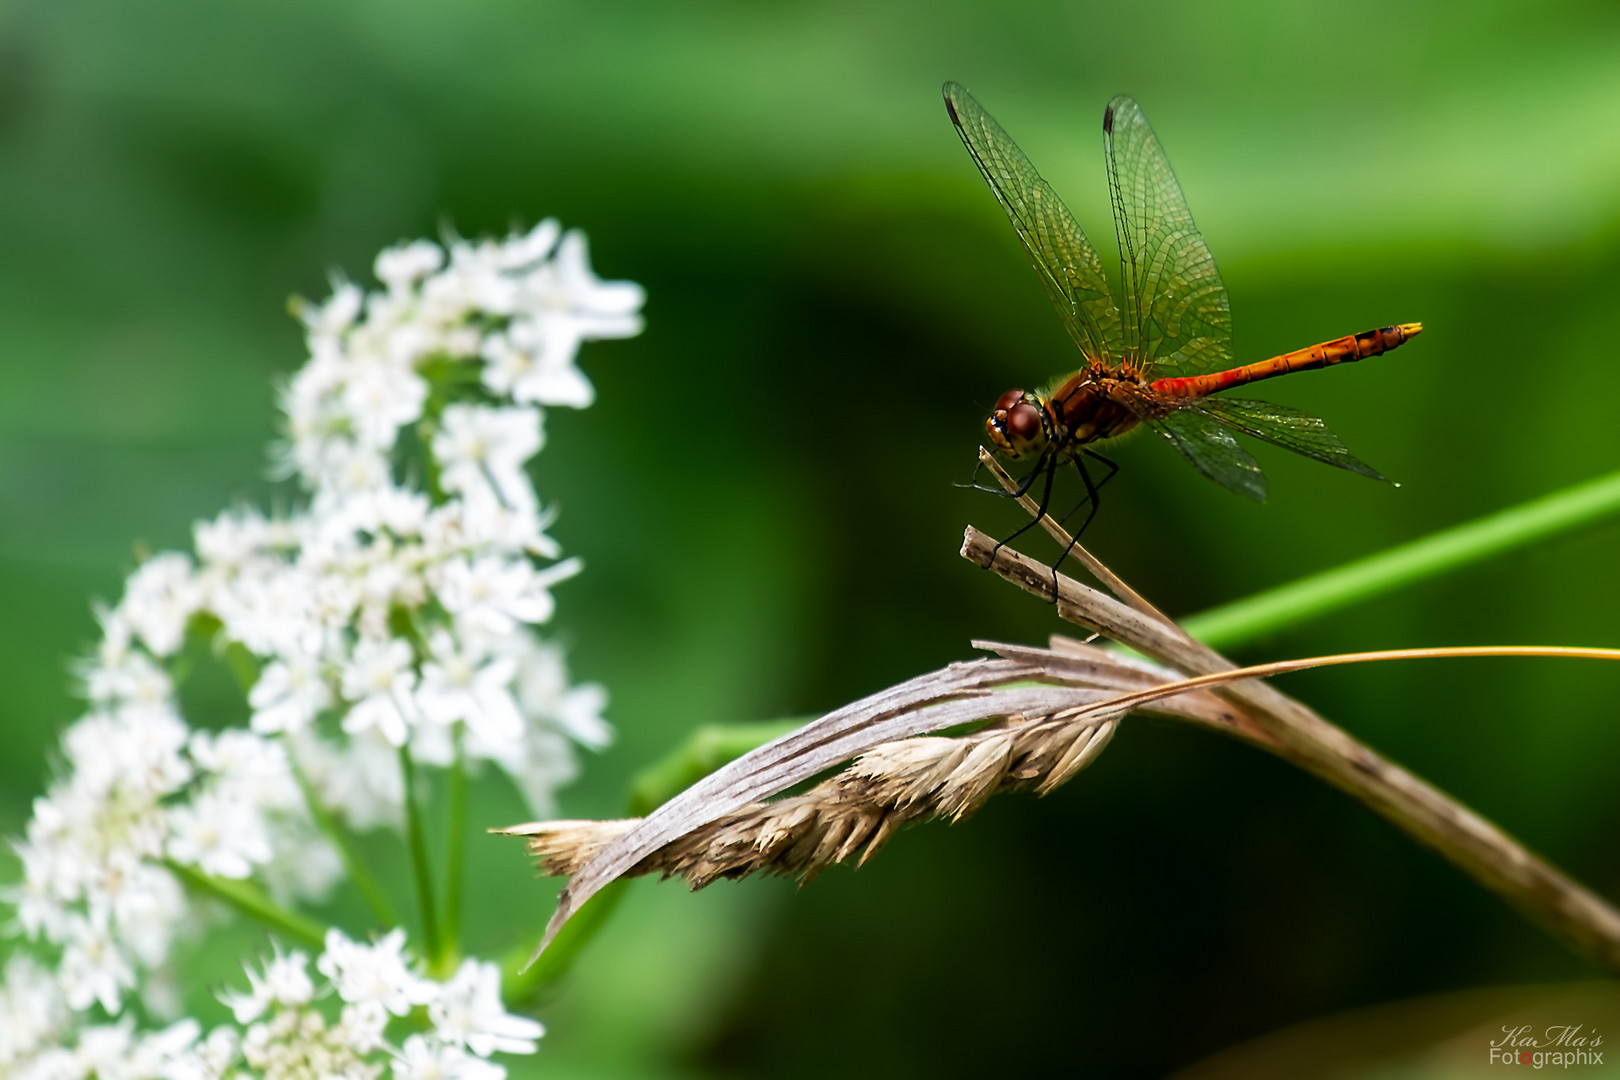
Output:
x,y
959,694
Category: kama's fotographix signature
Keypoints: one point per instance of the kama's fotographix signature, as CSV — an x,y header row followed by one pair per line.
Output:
x,y
1560,1046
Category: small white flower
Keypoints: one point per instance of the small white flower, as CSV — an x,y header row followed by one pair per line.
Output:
x,y
158,599
347,468
399,511
32,1012
269,609
486,525
216,1053
493,595
232,538
129,678
93,969
468,1012
221,836
285,983
401,267
361,1029
148,908
379,680
337,314
167,1053
376,974
248,767
424,1058
463,682
138,752
565,304
289,694
105,1049
533,362
46,885
381,399
524,252
481,451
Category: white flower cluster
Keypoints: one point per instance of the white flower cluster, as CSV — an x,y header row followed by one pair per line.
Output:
x,y
140,787
396,613
289,1026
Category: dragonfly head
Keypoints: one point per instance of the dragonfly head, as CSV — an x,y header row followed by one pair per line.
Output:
x,y
1017,426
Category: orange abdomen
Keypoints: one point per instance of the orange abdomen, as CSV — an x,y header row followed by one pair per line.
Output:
x,y
1339,351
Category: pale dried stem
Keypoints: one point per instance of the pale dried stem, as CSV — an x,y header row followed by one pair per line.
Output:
x,y
1094,566
1297,734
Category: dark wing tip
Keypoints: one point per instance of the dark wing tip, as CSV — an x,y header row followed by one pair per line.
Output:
x,y
951,91
1118,105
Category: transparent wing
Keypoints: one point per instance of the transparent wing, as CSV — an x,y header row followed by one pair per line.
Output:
x,y
1286,427
1176,315
1064,259
1213,451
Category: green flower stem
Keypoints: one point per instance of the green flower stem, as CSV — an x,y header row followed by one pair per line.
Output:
x,y
419,856
455,856
354,863
705,750
1245,620
251,901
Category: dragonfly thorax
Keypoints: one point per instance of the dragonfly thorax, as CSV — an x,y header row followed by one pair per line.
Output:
x,y
1018,426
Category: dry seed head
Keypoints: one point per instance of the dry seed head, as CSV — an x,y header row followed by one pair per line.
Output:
x,y
851,814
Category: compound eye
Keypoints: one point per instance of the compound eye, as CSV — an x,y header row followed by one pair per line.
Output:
x,y
1008,400
1023,422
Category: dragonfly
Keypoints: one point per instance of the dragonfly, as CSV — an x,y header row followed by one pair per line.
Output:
x,y
1157,356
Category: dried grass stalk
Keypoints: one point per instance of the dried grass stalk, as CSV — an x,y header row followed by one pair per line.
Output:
x,y
1040,736
851,814
721,827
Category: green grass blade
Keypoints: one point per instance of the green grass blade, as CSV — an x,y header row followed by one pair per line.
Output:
x,y
1245,620
250,900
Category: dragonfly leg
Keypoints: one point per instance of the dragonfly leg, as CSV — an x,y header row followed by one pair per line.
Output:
x,y
1024,483
1093,499
1049,467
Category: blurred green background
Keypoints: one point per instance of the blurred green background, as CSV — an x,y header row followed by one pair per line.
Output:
x,y
764,493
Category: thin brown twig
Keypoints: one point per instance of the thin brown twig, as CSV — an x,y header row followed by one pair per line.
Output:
x,y
1094,566
1296,733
